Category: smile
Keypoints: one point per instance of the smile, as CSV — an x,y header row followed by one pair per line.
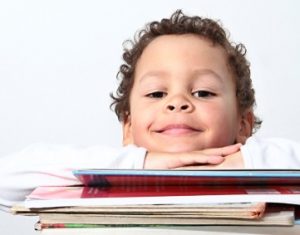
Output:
x,y
177,130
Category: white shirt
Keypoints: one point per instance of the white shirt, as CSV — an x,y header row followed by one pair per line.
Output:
x,y
52,165
271,153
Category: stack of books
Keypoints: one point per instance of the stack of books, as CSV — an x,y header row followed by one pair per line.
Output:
x,y
162,198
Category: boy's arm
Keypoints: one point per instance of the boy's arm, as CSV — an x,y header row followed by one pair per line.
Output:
x,y
52,165
270,153
275,153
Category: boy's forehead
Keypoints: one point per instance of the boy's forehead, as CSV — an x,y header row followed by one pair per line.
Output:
x,y
168,47
197,73
177,53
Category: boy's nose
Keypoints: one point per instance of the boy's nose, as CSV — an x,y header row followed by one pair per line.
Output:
x,y
179,104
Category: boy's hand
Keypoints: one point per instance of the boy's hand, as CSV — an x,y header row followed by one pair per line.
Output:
x,y
232,161
208,158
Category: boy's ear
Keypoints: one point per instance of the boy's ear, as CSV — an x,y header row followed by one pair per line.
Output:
x,y
246,125
127,133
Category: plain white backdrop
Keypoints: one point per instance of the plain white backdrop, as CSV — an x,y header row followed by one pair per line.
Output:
x,y
59,59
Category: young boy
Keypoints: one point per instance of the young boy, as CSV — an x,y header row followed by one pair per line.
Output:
x,y
185,88
185,101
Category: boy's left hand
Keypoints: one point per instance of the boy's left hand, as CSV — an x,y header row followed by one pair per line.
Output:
x,y
233,161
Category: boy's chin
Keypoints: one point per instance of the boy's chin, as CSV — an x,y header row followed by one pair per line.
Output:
x,y
180,148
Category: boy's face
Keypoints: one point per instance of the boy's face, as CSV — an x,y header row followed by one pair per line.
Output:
x,y
183,98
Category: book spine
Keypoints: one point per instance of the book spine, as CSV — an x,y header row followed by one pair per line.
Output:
x,y
40,226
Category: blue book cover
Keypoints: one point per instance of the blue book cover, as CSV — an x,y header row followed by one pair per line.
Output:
x,y
123,177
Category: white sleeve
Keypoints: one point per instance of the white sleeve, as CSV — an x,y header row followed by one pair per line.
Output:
x,y
274,153
52,165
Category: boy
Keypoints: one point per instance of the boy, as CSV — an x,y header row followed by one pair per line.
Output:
x,y
195,84
185,100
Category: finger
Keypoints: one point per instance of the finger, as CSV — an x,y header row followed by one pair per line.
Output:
x,y
196,159
175,160
223,151
202,167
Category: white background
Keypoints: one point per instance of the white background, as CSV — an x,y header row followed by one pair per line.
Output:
x,y
58,61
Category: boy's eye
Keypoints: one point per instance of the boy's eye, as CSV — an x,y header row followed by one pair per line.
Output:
x,y
156,94
203,94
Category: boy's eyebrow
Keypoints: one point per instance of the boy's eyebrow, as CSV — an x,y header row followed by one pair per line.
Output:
x,y
208,71
196,73
153,73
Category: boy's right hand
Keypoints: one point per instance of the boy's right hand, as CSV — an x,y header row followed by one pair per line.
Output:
x,y
213,156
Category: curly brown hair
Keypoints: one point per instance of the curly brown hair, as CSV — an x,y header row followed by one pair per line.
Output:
x,y
179,24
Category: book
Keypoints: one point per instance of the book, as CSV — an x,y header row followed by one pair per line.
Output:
x,y
168,197
220,214
175,230
222,210
113,177
171,187
232,229
280,218
47,197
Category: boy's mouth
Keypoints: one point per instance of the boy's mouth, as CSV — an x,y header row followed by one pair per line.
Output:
x,y
177,129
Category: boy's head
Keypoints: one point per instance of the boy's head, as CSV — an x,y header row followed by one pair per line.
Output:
x,y
185,87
